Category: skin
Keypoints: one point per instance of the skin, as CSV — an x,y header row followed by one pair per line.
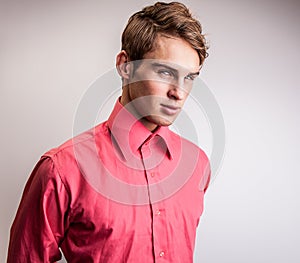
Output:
x,y
157,88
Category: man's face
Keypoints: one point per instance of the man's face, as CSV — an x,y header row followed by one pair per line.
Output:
x,y
162,81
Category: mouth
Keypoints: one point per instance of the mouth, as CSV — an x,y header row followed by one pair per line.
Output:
x,y
169,109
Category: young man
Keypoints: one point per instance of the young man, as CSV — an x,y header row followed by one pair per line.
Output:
x,y
128,190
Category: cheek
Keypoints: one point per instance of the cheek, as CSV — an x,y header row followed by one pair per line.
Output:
x,y
186,94
154,88
187,90
158,88
137,90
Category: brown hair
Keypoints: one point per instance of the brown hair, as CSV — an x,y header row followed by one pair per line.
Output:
x,y
172,19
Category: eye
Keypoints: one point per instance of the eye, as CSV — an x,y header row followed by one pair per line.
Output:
x,y
190,77
165,73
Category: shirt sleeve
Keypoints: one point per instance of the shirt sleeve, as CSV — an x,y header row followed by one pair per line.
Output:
x,y
206,176
40,222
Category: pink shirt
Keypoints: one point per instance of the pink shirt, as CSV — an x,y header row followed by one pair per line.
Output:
x,y
116,193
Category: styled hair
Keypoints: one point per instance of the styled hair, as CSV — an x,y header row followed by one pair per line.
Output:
x,y
171,19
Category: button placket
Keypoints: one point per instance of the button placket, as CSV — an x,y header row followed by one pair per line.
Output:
x,y
152,174
151,160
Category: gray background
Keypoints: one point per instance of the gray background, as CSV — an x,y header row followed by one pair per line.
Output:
x,y
50,51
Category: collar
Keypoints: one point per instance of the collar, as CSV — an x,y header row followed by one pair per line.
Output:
x,y
130,134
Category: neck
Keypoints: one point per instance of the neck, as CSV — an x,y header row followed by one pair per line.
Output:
x,y
125,99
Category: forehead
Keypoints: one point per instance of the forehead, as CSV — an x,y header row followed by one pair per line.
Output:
x,y
175,51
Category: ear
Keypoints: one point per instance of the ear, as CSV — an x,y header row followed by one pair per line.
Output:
x,y
123,65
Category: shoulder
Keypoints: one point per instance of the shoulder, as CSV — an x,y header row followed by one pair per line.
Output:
x,y
188,146
192,157
84,139
65,156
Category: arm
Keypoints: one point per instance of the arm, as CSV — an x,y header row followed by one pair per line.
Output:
x,y
40,223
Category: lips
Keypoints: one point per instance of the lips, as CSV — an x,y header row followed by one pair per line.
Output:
x,y
170,109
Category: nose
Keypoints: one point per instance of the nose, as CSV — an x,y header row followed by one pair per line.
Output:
x,y
176,92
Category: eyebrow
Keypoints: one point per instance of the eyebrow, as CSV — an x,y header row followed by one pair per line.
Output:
x,y
156,64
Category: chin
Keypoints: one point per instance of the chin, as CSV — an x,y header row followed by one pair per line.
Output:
x,y
160,122
166,123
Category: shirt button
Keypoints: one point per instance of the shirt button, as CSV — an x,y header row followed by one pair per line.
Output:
x,y
157,212
152,174
161,253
